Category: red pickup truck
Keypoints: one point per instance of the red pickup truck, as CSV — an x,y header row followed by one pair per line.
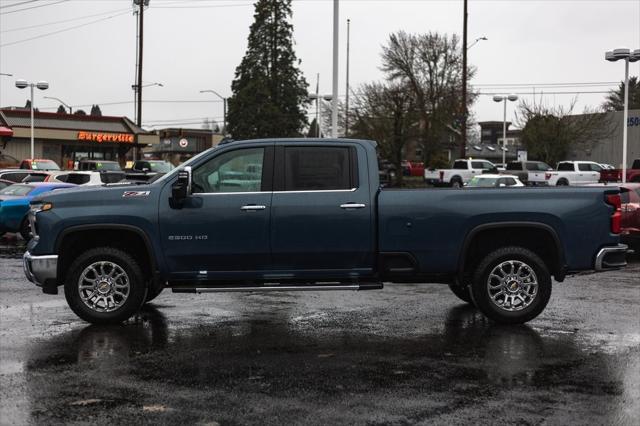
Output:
x,y
615,175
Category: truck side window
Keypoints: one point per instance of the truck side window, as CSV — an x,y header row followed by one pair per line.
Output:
x,y
460,165
316,168
584,167
234,171
565,167
514,166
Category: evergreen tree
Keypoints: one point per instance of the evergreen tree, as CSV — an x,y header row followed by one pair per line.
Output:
x,y
61,110
615,99
95,110
79,112
269,91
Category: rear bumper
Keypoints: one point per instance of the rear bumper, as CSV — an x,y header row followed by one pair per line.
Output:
x,y
611,258
40,270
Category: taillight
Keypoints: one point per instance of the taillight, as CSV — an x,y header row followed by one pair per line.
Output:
x,y
547,176
616,218
441,175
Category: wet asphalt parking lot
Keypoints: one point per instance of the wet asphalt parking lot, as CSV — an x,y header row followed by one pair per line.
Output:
x,y
409,354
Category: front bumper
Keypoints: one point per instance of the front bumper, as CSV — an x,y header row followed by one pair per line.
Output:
x,y
611,257
40,270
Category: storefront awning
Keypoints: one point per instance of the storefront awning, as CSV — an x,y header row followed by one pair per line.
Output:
x,y
5,131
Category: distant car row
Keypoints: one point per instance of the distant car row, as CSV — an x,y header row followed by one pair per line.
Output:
x,y
528,172
89,172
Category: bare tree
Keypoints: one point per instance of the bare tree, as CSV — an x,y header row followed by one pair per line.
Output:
x,y
431,66
549,133
387,114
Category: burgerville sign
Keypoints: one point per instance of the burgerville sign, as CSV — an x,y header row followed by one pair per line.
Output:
x,y
105,137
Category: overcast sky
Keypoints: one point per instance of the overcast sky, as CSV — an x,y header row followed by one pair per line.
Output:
x,y
196,44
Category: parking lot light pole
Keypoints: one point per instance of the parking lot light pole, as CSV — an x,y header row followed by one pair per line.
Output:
x,y
23,84
628,56
316,97
504,99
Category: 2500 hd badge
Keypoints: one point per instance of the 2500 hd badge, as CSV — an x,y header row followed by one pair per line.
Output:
x,y
187,237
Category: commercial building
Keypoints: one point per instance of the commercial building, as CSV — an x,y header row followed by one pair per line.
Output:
x,y
177,145
66,138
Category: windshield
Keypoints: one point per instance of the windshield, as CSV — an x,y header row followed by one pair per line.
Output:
x,y
189,162
482,181
161,166
108,165
44,165
17,190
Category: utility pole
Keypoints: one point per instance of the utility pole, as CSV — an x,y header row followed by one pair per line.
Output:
x,y
334,92
463,130
142,4
346,107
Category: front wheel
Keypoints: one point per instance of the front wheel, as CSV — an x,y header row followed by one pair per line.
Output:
x,y
462,292
511,285
105,285
25,229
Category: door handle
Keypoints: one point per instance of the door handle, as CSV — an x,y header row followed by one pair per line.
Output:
x,y
352,206
252,207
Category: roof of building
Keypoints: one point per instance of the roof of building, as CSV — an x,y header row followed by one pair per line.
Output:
x,y
51,120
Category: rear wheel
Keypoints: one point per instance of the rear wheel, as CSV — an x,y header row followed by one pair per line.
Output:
x,y
562,182
152,293
105,285
456,182
511,285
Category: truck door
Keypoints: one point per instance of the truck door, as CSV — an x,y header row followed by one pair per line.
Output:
x,y
322,212
222,229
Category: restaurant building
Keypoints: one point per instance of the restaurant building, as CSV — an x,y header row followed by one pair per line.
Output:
x,y
67,138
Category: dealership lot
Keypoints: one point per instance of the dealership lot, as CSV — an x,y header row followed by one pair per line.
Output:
x,y
406,354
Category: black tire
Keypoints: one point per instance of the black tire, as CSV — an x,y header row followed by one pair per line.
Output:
x,y
562,182
456,182
135,292
25,229
462,292
152,293
509,312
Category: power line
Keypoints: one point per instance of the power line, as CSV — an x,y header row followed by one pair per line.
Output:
x,y
546,93
62,21
32,7
577,84
17,4
62,30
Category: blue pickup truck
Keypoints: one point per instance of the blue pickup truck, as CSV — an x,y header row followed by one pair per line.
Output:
x,y
309,214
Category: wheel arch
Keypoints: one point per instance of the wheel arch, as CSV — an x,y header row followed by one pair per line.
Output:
x,y
116,235
506,233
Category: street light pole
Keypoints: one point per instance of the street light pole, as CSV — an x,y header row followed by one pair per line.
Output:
x,y
463,124
346,101
224,107
60,100
628,56
504,99
334,92
42,85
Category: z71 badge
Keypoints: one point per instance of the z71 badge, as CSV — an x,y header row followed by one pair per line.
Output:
x,y
127,194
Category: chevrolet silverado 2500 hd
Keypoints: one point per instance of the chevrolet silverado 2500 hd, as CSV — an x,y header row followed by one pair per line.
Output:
x,y
309,214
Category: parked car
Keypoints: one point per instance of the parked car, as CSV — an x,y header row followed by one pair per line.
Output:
x,y
461,172
529,172
88,178
386,172
574,173
38,164
412,168
4,183
98,165
630,198
7,161
615,175
147,169
314,219
18,175
44,176
14,205
494,181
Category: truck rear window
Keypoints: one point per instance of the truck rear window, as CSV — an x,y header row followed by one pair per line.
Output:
x,y
317,168
566,167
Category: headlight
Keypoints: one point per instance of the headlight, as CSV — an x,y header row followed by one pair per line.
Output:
x,y
40,206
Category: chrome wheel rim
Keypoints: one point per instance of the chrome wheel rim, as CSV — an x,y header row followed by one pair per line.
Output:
x,y
512,285
104,286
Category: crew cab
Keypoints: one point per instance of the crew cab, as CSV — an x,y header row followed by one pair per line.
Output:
x,y
309,214
615,175
461,172
574,173
529,172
